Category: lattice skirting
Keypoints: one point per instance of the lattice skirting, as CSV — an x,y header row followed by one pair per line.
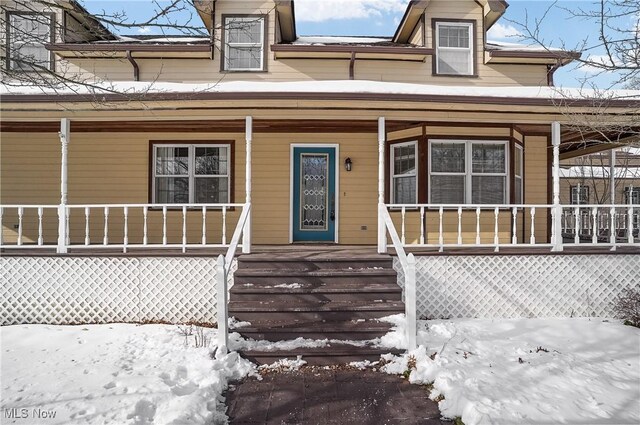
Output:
x,y
521,285
73,290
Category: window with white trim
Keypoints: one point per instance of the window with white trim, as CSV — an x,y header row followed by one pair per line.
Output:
x,y
28,33
468,172
404,187
187,174
579,195
454,48
632,195
518,171
244,43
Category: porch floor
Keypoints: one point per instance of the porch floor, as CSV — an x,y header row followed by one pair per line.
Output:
x,y
312,251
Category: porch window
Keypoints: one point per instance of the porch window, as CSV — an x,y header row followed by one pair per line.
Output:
x,y
28,33
464,172
187,174
244,43
454,48
579,195
632,195
404,189
518,168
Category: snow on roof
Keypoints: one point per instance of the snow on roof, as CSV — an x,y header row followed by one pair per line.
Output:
x,y
505,46
321,40
156,39
337,86
599,172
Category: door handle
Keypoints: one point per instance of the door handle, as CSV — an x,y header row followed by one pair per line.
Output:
x,y
333,210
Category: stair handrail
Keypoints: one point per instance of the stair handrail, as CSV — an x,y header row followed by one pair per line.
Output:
x,y
408,263
223,270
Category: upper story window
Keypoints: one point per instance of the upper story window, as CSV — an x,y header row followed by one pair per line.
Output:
x,y
463,172
404,188
244,40
187,174
579,195
454,48
27,35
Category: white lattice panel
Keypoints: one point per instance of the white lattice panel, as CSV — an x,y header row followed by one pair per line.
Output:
x,y
521,285
72,290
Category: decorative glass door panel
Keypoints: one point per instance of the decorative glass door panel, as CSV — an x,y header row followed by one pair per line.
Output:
x,y
314,194
313,191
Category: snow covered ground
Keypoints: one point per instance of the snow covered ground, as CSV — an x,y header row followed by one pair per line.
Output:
x,y
529,371
113,374
502,371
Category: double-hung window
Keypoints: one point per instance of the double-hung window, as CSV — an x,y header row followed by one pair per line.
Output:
x,y
579,195
187,174
404,188
518,168
463,172
454,48
632,195
244,43
28,33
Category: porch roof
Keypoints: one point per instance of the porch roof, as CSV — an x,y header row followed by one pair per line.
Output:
x,y
124,91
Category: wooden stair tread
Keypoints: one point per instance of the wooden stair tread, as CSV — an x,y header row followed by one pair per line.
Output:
x,y
274,306
317,273
305,288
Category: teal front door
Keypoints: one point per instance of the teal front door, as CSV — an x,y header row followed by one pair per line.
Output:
x,y
314,194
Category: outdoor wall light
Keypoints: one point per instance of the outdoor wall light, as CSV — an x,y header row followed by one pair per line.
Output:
x,y
348,164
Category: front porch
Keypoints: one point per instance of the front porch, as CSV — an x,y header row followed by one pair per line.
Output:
x,y
107,227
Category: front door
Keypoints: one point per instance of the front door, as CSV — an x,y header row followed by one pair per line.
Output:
x,y
314,194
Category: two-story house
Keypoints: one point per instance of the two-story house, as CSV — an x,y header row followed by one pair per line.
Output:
x,y
434,139
466,121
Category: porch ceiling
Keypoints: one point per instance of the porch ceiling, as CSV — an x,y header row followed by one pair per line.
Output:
x,y
576,142
209,126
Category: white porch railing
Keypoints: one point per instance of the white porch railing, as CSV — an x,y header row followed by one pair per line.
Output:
x,y
408,263
120,226
223,270
593,224
505,225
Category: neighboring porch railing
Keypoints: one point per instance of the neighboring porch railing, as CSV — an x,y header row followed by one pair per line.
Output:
x,y
593,224
120,226
505,225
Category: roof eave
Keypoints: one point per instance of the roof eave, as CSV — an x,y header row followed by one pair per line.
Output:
x,y
412,14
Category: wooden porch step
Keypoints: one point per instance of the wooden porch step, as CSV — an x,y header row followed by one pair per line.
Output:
x,y
251,311
274,306
283,272
334,354
292,329
260,262
320,295
295,292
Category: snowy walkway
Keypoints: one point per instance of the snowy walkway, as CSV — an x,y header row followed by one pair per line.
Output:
x,y
327,397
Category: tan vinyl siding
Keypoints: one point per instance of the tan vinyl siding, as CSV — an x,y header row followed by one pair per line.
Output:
x,y
537,153
417,37
113,168
206,70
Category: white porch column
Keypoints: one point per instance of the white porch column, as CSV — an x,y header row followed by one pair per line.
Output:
x,y
612,176
556,221
612,197
246,235
382,137
65,134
